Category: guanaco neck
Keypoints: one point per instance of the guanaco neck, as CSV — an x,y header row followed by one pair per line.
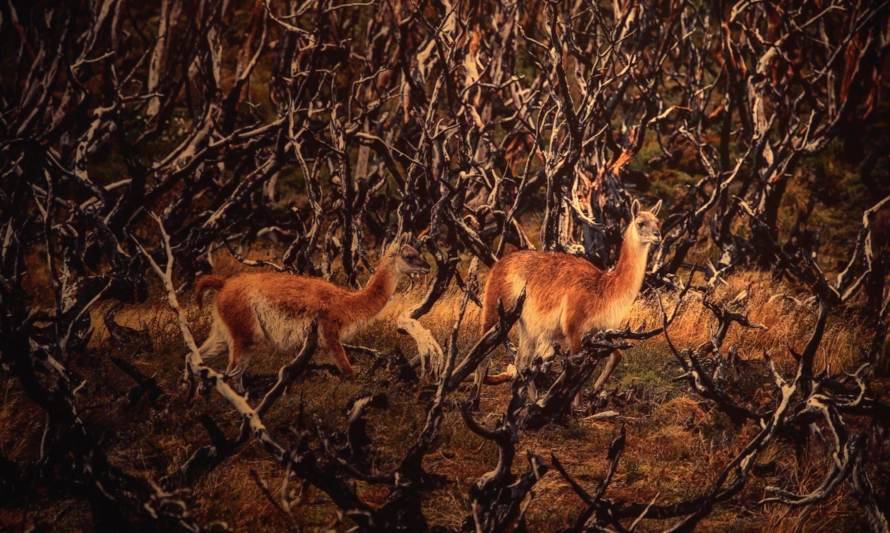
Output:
x,y
371,299
627,276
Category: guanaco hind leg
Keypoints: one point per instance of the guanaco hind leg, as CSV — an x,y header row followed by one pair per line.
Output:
x,y
215,344
239,358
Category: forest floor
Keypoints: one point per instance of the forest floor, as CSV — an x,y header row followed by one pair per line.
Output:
x,y
676,442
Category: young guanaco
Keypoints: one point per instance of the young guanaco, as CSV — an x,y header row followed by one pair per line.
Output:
x,y
275,310
567,297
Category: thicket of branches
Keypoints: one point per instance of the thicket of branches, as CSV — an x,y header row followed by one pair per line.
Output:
x,y
138,139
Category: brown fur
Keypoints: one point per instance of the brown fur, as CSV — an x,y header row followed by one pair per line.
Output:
x,y
301,297
207,282
560,286
276,308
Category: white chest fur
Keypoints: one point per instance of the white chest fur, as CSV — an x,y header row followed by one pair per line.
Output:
x,y
613,315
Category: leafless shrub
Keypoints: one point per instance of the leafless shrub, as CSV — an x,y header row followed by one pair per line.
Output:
x,y
128,149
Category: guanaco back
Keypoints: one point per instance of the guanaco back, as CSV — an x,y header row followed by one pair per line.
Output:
x,y
275,310
567,297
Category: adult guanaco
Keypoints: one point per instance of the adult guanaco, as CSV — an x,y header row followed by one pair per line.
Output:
x,y
567,297
274,310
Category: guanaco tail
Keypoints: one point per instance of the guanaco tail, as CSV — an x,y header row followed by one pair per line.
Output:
x,y
275,310
567,297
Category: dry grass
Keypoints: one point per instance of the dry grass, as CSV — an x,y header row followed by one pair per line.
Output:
x,y
786,313
675,443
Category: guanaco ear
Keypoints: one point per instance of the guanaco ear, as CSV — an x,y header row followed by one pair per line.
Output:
x,y
394,246
635,208
656,208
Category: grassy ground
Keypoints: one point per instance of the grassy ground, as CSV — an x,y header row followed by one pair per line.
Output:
x,y
676,444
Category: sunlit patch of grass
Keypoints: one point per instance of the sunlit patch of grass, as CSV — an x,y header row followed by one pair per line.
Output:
x,y
676,442
785,311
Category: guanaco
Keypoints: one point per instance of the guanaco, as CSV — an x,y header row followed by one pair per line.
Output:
x,y
567,297
275,309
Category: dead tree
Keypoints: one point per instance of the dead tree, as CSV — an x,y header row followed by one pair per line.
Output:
x,y
497,497
321,130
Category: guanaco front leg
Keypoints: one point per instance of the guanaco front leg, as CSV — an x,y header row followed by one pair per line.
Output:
x,y
573,335
574,338
331,341
613,361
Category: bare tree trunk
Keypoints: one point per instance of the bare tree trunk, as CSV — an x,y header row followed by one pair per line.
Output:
x,y
170,11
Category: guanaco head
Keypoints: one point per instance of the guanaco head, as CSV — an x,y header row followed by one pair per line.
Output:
x,y
408,260
645,223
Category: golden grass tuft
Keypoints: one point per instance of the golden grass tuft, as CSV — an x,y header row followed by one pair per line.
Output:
x,y
785,312
681,410
676,445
